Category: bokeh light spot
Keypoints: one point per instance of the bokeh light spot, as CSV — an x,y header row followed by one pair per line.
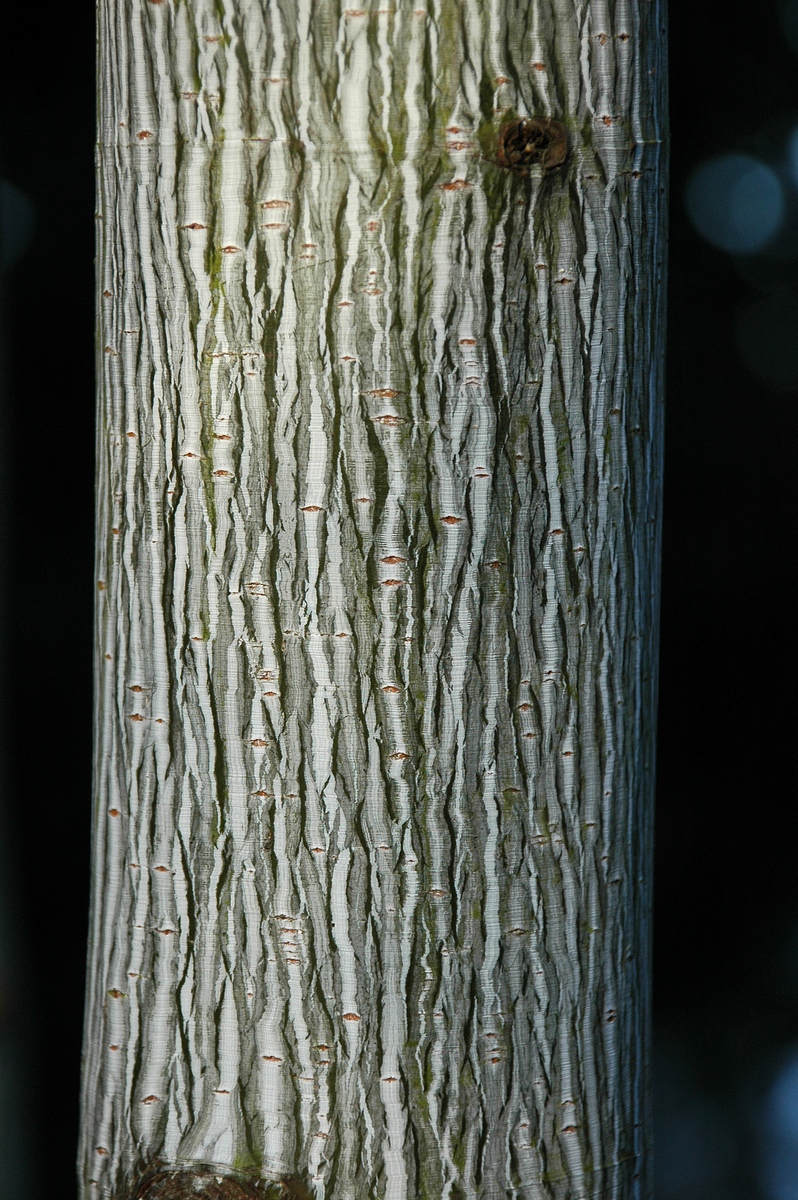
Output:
x,y
767,340
789,22
735,202
783,1101
792,156
781,1134
16,223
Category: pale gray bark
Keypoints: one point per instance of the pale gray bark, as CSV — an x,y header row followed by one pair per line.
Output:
x,y
379,445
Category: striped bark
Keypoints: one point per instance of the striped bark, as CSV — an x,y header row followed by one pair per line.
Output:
x,y
379,442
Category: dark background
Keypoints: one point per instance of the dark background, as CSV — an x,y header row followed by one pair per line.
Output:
x,y
726,928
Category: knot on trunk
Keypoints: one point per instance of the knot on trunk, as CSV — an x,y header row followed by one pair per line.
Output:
x,y
531,140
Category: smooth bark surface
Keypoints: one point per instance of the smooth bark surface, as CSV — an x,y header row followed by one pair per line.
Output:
x,y
379,445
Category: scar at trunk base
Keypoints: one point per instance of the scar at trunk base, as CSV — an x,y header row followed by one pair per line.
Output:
x,y
209,1182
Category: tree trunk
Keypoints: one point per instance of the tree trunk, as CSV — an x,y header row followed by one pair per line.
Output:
x,y
379,454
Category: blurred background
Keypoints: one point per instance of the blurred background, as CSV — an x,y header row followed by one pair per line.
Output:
x,y
726,929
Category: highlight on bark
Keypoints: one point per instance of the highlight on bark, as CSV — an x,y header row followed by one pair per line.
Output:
x,y
378,498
